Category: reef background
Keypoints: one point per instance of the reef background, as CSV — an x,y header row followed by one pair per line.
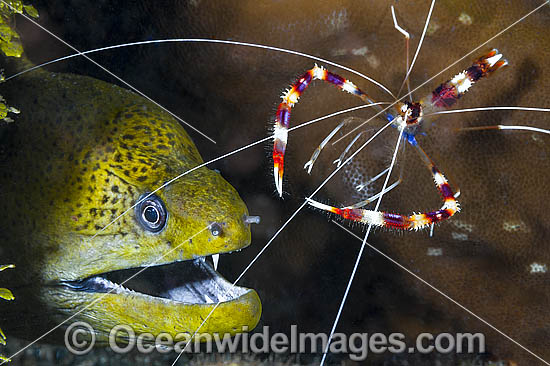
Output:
x,y
231,94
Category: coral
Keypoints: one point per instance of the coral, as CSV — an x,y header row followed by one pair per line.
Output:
x,y
6,295
9,38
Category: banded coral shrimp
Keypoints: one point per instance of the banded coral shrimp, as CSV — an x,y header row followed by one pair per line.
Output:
x,y
479,247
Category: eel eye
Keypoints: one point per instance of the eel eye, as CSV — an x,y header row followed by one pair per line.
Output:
x,y
151,213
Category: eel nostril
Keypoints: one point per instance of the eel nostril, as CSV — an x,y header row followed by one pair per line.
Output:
x,y
215,229
251,219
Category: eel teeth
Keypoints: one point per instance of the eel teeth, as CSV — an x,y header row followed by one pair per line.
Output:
x,y
215,260
208,299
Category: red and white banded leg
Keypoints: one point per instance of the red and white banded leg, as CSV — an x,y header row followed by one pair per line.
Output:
x,y
398,221
290,98
448,93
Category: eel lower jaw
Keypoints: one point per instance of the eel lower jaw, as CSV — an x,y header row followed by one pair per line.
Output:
x,y
175,298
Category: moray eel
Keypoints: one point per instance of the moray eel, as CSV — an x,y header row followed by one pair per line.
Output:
x,y
80,153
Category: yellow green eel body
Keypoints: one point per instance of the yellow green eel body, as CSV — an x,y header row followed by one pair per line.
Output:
x,y
80,153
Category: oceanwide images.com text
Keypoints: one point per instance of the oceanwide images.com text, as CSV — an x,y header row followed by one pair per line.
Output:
x,y
80,338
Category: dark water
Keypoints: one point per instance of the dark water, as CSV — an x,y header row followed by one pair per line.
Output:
x,y
231,93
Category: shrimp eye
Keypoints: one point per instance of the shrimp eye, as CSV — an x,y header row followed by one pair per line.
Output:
x,y
151,213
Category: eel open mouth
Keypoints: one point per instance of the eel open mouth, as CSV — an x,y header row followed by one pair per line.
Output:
x,y
175,298
189,282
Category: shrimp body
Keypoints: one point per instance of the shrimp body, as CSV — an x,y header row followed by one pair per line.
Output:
x,y
405,116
